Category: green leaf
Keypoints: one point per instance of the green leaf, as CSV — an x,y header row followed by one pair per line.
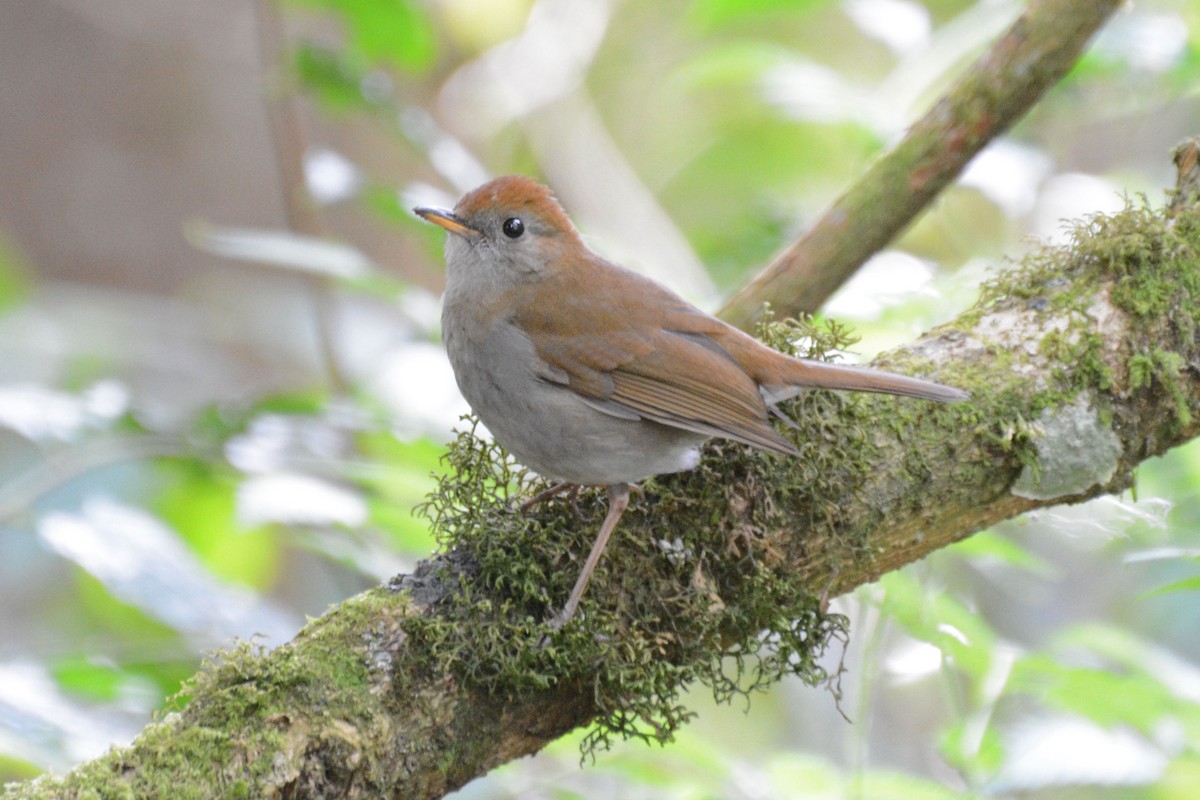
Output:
x,y
970,753
392,31
86,678
384,32
17,769
401,479
736,63
120,622
199,501
1181,779
336,84
1103,696
935,617
991,546
314,402
138,644
1187,72
761,164
715,13
1185,585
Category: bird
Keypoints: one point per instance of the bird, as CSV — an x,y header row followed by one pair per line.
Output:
x,y
591,374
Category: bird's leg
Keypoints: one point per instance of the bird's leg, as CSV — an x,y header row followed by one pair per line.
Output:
x,y
546,494
618,501
556,489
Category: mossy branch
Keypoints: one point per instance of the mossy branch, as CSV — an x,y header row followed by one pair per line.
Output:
x,y
999,88
1082,362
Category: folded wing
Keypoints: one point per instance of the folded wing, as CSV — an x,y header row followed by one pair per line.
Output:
x,y
666,372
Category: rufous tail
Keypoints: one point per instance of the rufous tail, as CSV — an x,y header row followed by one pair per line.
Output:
x,y
792,375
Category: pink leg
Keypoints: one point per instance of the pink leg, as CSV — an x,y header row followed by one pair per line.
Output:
x,y
545,495
618,501
556,489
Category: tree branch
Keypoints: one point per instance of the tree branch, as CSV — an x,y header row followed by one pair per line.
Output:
x,y
1082,363
1033,55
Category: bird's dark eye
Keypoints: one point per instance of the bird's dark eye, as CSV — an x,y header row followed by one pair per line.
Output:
x,y
513,227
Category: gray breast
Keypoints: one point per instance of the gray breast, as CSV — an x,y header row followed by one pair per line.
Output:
x,y
547,426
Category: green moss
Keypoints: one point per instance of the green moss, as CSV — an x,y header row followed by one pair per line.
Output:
x,y
713,577
170,761
671,599
249,705
1163,368
1150,265
1153,257
1144,264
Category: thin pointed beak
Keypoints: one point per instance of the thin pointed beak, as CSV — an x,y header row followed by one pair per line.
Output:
x,y
444,218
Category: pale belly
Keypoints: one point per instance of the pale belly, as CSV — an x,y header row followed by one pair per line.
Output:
x,y
549,428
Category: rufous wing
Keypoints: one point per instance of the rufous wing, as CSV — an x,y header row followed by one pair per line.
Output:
x,y
631,346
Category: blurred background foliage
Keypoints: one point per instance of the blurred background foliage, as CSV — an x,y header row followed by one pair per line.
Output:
x,y
211,427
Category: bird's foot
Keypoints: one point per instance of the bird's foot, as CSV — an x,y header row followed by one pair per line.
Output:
x,y
554,491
